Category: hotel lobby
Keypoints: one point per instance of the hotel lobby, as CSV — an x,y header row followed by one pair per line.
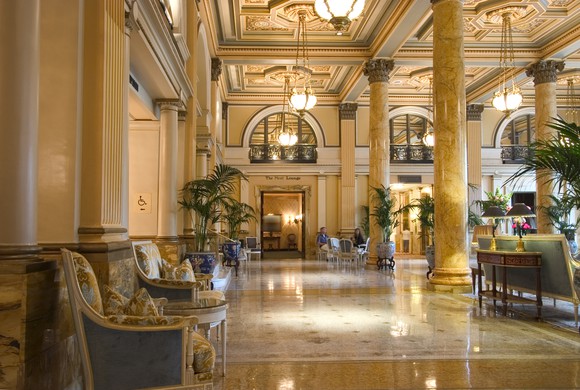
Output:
x,y
112,106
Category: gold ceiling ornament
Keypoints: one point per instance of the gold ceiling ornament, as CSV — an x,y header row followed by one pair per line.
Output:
x,y
340,13
302,97
283,132
508,97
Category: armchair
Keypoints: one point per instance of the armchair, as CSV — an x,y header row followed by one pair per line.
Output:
x,y
125,352
253,248
347,251
150,269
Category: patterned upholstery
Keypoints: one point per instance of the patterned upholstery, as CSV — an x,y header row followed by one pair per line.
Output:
x,y
140,304
149,260
183,271
88,283
182,358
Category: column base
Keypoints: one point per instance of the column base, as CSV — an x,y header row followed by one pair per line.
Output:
x,y
452,280
372,260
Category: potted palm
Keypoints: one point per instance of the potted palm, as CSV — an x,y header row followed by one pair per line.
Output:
x,y
425,208
236,213
559,213
206,200
386,216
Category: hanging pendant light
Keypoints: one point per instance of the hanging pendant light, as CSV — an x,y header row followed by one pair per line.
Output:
x,y
508,98
285,134
572,111
302,98
340,13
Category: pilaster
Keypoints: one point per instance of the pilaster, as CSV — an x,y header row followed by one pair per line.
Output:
x,y
474,132
347,113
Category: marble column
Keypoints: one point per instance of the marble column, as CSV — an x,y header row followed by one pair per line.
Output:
x,y
347,157
167,210
474,132
378,71
216,114
544,74
450,161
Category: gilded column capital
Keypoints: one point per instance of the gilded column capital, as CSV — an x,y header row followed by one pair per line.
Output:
x,y
130,23
216,69
440,1
378,69
474,112
169,104
225,106
347,110
545,71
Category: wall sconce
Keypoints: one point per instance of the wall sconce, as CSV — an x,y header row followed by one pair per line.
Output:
x,y
294,219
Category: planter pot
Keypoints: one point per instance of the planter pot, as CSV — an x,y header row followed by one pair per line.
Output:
x,y
386,255
573,247
203,262
430,256
231,251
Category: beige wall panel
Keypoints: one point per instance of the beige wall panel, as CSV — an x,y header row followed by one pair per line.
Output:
x,y
143,182
490,119
362,197
328,119
362,126
238,118
332,205
58,141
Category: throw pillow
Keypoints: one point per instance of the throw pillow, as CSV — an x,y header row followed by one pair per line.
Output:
x,y
183,271
88,283
140,304
113,301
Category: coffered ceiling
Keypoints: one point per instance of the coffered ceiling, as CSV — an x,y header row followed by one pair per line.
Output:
x,y
257,39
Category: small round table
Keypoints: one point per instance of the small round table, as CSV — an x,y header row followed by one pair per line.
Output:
x,y
207,311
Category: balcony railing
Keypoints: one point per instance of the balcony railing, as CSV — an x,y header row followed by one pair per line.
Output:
x,y
269,153
515,154
411,154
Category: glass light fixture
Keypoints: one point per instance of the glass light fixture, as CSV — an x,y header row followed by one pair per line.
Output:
x,y
340,13
302,98
508,98
285,134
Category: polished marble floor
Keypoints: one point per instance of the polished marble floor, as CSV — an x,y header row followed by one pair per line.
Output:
x,y
304,324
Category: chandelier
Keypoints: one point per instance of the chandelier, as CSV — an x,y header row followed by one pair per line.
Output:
x,y
302,98
284,133
508,98
428,137
339,12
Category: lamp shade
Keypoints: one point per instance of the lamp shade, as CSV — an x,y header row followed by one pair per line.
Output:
x,y
493,212
520,210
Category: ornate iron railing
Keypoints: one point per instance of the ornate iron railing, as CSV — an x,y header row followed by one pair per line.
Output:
x,y
515,153
411,154
269,153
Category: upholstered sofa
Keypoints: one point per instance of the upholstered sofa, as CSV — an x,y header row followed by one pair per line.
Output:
x,y
558,266
128,345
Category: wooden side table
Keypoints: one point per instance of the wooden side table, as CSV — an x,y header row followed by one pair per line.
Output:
x,y
506,260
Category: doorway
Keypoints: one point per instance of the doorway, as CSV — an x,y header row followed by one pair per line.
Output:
x,y
282,221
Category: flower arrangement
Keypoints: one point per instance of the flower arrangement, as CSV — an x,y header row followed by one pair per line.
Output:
x,y
523,227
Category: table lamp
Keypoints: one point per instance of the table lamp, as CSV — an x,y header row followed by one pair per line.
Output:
x,y
517,211
493,213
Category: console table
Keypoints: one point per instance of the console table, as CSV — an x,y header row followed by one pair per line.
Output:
x,y
506,260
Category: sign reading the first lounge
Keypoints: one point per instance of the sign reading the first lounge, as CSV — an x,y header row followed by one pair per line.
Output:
x,y
283,177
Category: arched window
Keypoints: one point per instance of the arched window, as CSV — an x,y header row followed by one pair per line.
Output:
x,y
516,139
407,133
264,145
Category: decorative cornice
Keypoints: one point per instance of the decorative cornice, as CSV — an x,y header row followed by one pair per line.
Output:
x,y
129,22
347,110
474,112
181,115
216,69
378,69
225,106
545,71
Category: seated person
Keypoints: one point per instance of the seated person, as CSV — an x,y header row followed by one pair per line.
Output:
x,y
358,239
322,239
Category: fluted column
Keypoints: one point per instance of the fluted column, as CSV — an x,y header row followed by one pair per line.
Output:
x,y
450,192
167,210
103,181
347,153
544,74
474,152
377,71
216,71
19,35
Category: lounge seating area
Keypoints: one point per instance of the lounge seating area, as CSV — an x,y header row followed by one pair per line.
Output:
x,y
557,271
125,343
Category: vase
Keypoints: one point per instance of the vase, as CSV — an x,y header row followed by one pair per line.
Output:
x,y
231,251
573,247
204,262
